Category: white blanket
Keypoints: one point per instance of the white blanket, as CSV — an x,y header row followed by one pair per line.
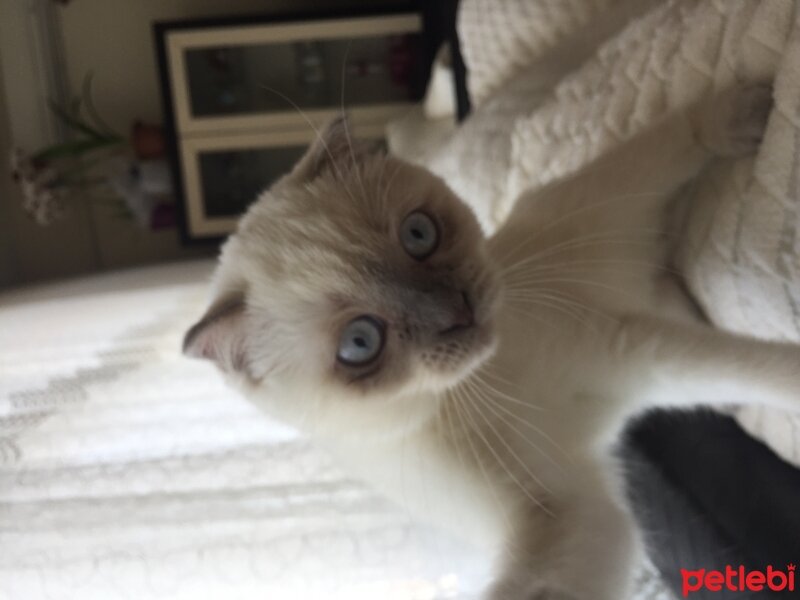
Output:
x,y
128,471
540,117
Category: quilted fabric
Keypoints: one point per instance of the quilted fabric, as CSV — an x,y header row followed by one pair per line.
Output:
x,y
504,37
128,471
741,254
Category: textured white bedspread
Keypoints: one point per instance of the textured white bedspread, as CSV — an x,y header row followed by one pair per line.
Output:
x,y
127,471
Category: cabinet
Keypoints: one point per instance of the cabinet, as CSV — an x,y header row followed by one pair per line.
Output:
x,y
243,98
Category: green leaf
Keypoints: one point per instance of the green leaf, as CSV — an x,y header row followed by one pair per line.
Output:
x,y
74,148
91,110
80,126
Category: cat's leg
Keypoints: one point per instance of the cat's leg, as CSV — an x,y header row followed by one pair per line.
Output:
x,y
629,186
586,550
600,236
676,364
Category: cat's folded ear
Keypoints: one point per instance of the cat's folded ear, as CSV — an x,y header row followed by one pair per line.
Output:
x,y
334,150
221,335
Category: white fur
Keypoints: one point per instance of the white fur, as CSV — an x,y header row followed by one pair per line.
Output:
x,y
505,440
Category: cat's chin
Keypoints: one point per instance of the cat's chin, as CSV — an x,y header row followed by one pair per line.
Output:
x,y
479,345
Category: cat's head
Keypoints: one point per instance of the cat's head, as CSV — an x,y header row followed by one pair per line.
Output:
x,y
354,290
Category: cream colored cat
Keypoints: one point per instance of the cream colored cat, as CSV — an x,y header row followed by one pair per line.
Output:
x,y
481,382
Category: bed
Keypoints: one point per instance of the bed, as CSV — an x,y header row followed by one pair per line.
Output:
x,y
128,471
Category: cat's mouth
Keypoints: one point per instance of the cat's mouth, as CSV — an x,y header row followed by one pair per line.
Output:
x,y
465,335
462,316
467,339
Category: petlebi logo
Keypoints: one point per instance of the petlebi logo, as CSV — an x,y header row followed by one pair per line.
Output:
x,y
738,580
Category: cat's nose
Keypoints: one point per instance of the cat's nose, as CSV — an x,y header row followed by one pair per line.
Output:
x,y
460,314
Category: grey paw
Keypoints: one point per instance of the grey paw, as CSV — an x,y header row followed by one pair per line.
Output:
x,y
732,123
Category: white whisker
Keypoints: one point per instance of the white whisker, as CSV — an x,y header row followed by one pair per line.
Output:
x,y
516,417
346,121
581,242
310,123
563,219
475,453
499,459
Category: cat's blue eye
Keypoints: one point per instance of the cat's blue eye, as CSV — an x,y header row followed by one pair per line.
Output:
x,y
419,235
361,341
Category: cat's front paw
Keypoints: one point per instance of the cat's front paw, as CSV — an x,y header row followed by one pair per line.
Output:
x,y
732,123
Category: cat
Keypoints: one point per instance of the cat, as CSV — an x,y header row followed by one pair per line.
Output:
x,y
359,301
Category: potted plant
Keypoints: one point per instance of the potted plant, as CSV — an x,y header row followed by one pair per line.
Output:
x,y
94,160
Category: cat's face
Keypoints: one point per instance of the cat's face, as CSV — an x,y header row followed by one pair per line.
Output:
x,y
358,279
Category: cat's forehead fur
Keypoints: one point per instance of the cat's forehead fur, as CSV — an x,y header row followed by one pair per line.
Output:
x,y
339,216
337,232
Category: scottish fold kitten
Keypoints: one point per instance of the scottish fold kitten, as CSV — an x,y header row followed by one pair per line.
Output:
x,y
481,382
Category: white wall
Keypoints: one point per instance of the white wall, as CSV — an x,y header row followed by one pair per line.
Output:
x,y
28,251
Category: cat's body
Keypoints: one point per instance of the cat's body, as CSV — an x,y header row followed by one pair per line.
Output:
x,y
504,373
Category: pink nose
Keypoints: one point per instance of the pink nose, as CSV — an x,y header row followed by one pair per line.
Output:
x,y
461,314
